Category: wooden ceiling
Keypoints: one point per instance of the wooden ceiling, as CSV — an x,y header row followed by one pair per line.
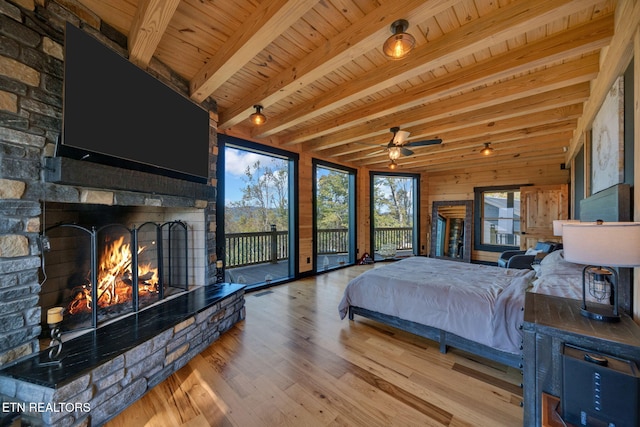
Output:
x,y
513,73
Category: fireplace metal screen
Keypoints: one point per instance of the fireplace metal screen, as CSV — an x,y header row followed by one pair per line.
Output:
x,y
99,273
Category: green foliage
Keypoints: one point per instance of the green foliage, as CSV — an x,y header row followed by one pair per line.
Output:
x,y
393,201
332,200
264,200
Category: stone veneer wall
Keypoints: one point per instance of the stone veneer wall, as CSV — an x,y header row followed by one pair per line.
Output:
x,y
101,394
31,83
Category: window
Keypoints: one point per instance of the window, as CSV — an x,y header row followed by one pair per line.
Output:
x,y
497,212
334,216
258,193
394,214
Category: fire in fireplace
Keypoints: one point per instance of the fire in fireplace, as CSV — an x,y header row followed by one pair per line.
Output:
x,y
98,273
114,282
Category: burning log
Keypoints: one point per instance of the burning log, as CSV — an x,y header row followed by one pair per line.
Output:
x,y
115,279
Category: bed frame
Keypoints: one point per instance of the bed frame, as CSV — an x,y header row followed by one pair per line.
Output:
x,y
444,338
612,204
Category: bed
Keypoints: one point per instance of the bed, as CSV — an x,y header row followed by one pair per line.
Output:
x,y
476,308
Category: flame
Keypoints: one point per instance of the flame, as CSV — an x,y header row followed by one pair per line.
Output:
x,y
114,279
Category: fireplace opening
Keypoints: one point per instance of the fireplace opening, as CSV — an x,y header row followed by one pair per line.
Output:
x,y
98,266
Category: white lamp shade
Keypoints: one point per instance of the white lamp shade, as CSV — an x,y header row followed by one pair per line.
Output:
x,y
611,244
558,223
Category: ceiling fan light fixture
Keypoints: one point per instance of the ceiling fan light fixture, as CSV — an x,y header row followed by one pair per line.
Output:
x,y
394,153
400,43
487,150
258,118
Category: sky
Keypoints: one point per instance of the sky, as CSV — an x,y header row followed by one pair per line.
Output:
x,y
236,162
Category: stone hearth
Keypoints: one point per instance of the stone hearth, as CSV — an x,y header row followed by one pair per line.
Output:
x,y
102,372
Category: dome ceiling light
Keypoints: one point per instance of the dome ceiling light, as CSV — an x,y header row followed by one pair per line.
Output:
x,y
400,43
258,118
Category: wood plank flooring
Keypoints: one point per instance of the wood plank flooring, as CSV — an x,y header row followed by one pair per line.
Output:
x,y
293,362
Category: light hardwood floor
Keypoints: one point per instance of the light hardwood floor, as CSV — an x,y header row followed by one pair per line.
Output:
x,y
293,362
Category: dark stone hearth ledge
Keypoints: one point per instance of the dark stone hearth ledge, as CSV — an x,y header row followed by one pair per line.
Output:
x,y
91,350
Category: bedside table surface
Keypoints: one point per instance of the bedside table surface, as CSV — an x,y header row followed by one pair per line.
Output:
x,y
554,313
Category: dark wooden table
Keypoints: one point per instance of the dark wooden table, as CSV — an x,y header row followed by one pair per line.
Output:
x,y
550,323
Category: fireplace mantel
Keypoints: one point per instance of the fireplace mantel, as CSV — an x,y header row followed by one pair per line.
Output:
x,y
64,170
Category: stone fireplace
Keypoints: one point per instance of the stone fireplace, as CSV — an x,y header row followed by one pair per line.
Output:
x,y
140,256
39,191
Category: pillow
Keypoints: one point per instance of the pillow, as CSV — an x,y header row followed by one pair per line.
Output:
x,y
555,276
555,264
554,257
537,268
533,251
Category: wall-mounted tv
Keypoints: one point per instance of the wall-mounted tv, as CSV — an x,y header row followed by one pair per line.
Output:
x,y
115,113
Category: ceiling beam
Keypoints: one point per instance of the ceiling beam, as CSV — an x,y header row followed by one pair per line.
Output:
x,y
553,78
149,24
487,116
268,22
582,40
363,36
501,25
481,132
621,50
522,140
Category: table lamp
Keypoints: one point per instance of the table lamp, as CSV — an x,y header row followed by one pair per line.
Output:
x,y
601,246
559,223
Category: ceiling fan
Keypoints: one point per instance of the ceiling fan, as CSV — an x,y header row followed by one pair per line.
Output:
x,y
398,144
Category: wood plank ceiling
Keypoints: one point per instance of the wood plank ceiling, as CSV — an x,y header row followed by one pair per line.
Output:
x,y
512,73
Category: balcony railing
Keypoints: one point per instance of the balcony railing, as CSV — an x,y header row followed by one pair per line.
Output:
x,y
401,236
244,249
256,247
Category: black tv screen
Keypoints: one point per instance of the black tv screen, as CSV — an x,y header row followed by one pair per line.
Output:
x,y
116,113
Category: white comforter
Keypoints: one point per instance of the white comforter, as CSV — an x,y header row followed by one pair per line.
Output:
x,y
477,302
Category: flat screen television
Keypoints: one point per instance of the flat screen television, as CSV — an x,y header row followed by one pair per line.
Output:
x,y
115,113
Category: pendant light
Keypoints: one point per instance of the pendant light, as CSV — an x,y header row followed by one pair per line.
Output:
x,y
393,164
258,118
487,150
400,43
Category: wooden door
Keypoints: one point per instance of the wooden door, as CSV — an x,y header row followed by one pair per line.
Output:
x,y
539,206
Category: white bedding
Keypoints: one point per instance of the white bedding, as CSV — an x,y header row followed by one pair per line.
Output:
x,y
477,302
557,277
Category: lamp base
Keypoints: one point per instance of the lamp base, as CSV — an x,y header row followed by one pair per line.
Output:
x,y
600,314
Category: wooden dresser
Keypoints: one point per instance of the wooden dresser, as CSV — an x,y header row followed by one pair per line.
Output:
x,y
550,323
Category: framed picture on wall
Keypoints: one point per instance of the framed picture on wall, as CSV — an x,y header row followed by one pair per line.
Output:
x,y
607,140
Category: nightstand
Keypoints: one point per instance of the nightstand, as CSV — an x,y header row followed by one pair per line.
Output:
x,y
550,323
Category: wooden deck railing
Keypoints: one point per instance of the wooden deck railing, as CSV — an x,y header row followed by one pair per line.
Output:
x,y
256,247
272,246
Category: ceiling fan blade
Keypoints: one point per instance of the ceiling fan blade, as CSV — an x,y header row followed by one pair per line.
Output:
x,y
405,151
400,137
375,153
423,143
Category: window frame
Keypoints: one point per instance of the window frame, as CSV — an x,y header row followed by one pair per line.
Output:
x,y
353,207
293,160
416,208
478,218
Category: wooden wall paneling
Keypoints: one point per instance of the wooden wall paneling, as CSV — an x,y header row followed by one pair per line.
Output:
x,y
363,212
459,185
305,212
